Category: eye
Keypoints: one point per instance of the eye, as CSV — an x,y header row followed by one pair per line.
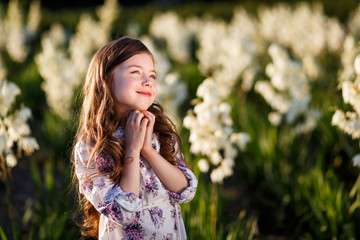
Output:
x,y
136,72
153,77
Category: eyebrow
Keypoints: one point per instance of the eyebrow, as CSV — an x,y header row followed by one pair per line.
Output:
x,y
138,66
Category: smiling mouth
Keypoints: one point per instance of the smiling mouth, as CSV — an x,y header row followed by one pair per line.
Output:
x,y
145,93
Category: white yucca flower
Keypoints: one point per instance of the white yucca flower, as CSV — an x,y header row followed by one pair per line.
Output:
x,y
275,118
15,43
60,75
356,160
288,91
174,31
64,67
11,160
8,92
311,67
16,33
211,132
227,52
34,18
349,122
13,126
203,165
354,23
348,55
305,30
349,81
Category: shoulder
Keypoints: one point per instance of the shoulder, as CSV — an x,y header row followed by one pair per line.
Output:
x,y
81,151
82,147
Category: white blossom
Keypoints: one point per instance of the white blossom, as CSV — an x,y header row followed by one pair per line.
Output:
x,y
227,52
8,92
304,29
28,144
357,65
64,67
16,33
275,118
13,125
350,51
288,91
356,160
203,165
11,160
349,122
211,132
174,31
354,22
34,18
241,139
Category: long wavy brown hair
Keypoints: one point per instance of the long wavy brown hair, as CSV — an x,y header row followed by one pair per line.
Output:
x,y
99,119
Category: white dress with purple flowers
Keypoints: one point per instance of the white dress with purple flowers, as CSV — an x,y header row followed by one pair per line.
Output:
x,y
155,214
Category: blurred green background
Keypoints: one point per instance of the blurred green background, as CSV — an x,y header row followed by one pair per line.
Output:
x,y
283,185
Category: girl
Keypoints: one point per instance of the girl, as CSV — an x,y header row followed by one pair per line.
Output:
x,y
131,172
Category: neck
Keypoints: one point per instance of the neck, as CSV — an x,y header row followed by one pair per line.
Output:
x,y
123,121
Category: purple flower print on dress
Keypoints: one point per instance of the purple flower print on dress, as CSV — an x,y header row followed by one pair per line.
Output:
x,y
137,217
157,216
168,236
173,215
103,163
87,185
153,237
101,183
151,187
111,225
134,232
112,210
130,197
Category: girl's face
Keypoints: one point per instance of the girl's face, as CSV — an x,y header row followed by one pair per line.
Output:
x,y
134,85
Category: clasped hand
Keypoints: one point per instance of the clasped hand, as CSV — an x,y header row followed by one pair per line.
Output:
x,y
138,131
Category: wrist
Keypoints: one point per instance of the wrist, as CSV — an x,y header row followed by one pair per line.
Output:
x,y
132,153
147,152
131,156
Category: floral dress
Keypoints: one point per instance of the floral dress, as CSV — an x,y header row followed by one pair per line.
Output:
x,y
155,214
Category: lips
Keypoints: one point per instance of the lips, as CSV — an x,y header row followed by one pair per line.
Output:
x,y
144,93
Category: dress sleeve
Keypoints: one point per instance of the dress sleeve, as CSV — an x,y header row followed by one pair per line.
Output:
x,y
188,193
107,197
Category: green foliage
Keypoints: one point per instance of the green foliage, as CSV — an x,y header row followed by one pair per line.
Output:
x,y
48,216
294,186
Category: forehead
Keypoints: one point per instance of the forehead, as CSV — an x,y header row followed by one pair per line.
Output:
x,y
141,59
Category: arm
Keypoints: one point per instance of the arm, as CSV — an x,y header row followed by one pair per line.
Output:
x,y
134,138
171,176
108,198
175,178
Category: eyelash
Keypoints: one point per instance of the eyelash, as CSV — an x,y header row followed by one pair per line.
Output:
x,y
138,72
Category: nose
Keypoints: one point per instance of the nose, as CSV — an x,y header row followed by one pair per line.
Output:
x,y
147,82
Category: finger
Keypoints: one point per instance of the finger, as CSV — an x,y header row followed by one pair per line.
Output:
x,y
150,116
144,123
131,117
138,117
